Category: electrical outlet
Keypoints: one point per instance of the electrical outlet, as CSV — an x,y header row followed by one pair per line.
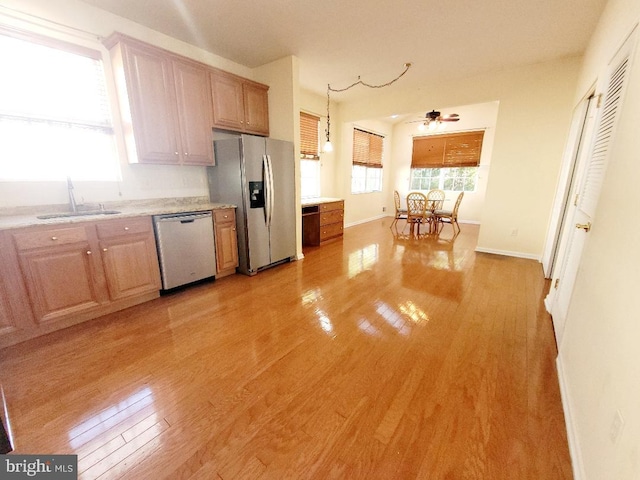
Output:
x,y
514,232
384,209
617,424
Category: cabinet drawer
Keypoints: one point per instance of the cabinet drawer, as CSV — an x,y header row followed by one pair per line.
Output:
x,y
49,238
334,216
326,207
224,215
125,226
329,231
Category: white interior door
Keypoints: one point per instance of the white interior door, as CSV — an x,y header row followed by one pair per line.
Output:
x,y
591,168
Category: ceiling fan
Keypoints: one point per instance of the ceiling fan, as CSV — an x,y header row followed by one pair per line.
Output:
x,y
434,120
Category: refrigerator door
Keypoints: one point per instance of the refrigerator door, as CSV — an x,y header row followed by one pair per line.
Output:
x,y
283,214
253,153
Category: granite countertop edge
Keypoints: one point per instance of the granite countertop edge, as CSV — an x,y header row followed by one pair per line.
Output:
x,y
10,221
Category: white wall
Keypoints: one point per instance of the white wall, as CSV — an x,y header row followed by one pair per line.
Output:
x,y
78,22
598,358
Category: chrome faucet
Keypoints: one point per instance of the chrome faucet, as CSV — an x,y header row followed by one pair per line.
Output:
x,y
72,198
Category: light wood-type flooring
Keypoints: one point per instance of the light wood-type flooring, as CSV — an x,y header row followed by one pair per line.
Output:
x,y
374,357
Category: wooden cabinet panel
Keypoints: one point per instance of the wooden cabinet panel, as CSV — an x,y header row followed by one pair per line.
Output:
x,y
226,241
256,108
195,116
61,280
228,102
129,257
239,104
150,86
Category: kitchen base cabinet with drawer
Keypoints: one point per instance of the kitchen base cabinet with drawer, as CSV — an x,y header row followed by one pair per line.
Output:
x,y
71,274
322,222
224,221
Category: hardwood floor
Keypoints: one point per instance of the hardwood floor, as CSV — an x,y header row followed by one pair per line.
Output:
x,y
373,358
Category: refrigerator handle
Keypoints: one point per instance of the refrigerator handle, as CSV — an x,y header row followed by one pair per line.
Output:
x,y
271,190
267,189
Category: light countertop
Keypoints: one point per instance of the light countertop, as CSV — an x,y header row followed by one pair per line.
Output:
x,y
27,216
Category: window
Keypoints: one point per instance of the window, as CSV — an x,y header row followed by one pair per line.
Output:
x,y
54,111
309,156
447,162
366,172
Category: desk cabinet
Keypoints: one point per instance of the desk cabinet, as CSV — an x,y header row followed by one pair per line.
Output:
x,y
322,222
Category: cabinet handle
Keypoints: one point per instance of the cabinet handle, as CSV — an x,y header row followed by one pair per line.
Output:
x,y
54,238
176,153
105,249
186,154
88,252
226,216
126,229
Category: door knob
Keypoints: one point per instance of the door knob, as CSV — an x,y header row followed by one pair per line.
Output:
x,y
584,226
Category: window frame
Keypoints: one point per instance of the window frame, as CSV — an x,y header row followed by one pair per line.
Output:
x,y
366,162
93,128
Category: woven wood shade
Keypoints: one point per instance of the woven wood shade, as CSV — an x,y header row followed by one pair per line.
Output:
x,y
367,149
446,151
309,136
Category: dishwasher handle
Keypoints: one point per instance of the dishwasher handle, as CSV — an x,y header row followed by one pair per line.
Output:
x,y
182,217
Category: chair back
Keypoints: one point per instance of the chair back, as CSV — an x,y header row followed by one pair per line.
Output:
x,y
454,213
416,204
396,200
436,199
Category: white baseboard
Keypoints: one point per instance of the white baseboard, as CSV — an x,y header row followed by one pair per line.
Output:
x,y
359,222
508,253
572,436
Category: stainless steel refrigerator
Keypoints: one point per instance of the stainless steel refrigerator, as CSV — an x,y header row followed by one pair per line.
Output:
x,y
257,175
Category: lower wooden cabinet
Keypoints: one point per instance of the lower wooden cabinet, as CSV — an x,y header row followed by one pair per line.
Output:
x,y
129,257
226,241
322,222
70,274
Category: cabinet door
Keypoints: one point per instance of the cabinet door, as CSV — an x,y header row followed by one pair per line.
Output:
x,y
226,239
228,105
60,280
130,265
256,109
151,93
193,95
129,256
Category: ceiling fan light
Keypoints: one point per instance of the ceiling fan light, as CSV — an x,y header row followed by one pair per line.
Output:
x,y
421,127
433,125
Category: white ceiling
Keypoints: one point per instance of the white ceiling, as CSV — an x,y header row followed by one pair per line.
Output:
x,y
339,40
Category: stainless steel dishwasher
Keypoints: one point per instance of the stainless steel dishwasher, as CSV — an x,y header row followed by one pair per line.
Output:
x,y
186,247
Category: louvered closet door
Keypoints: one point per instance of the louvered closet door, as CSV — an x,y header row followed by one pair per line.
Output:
x,y
591,183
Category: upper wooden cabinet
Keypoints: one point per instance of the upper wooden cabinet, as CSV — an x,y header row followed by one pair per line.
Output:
x,y
239,104
165,102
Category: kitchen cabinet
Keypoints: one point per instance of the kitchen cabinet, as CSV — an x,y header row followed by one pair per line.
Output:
x,y
16,321
72,273
62,272
165,102
239,104
224,221
129,257
322,222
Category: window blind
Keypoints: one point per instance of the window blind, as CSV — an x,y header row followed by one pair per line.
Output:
x,y
447,151
309,136
367,149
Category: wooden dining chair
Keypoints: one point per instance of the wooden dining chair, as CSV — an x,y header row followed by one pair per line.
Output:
x,y
449,216
435,201
401,213
416,210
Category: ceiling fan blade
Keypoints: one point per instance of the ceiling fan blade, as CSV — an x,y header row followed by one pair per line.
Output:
x,y
449,119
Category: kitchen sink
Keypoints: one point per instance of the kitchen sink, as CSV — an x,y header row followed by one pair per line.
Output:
x,y
78,214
